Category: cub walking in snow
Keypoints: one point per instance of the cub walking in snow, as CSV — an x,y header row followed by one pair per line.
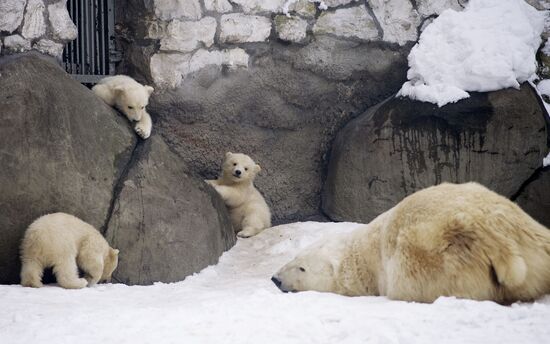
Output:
x,y
248,210
66,243
130,97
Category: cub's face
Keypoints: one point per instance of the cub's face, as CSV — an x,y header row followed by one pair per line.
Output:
x,y
311,270
109,265
239,167
133,100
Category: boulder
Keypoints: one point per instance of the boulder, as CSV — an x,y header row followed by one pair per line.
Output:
x,y
166,223
534,198
61,149
400,146
283,111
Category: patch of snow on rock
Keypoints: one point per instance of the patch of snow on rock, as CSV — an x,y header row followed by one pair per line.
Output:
x,y
489,46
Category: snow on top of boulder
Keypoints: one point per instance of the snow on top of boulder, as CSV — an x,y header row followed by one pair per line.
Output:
x,y
489,46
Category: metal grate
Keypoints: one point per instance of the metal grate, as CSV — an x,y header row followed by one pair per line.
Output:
x,y
92,55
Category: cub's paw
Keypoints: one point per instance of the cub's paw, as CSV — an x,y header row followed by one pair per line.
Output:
x,y
246,234
144,131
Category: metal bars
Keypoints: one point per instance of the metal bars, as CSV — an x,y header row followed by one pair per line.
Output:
x,y
91,56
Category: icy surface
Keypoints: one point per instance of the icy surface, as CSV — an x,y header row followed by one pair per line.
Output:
x,y
235,302
489,46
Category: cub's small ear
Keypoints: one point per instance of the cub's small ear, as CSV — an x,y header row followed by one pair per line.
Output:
x,y
228,155
118,89
258,168
149,89
115,251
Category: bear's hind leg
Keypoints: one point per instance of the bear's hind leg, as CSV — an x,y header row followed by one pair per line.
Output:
x,y
252,225
92,266
31,274
66,273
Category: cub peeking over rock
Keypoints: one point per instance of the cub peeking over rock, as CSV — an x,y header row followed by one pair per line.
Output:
x,y
130,97
447,240
248,210
65,243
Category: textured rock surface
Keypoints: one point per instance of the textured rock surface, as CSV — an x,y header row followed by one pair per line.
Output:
x,y
291,29
186,36
16,44
34,24
401,146
166,223
283,111
398,20
354,22
535,198
177,9
256,6
61,24
49,47
167,69
240,28
11,14
430,7
55,156
220,6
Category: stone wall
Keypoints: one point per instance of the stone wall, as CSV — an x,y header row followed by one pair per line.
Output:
x,y
42,25
275,79
180,37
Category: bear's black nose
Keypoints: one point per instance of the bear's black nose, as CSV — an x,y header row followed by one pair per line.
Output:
x,y
276,281
238,172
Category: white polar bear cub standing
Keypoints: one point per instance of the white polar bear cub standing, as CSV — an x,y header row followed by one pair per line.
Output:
x,y
248,210
130,97
66,243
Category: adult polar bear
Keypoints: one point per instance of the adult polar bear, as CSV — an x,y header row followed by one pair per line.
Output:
x,y
458,240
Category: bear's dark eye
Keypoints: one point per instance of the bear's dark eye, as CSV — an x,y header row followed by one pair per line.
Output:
x,y
302,269
130,107
246,168
143,107
234,164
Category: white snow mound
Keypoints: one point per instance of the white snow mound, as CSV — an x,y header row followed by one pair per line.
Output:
x,y
489,46
235,302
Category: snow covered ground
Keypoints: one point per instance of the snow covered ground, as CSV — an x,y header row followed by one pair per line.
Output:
x,y
235,302
489,46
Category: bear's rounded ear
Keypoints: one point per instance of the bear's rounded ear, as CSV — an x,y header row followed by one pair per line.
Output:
x,y
149,89
258,168
115,251
118,89
228,155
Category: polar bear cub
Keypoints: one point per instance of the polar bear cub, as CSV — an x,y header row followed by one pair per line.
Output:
x,y
66,243
130,97
248,210
459,240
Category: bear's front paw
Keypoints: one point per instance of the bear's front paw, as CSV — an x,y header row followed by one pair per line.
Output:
x,y
143,130
246,233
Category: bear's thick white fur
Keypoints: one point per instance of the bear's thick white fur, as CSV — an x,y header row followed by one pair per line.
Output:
x,y
130,97
248,210
65,243
458,240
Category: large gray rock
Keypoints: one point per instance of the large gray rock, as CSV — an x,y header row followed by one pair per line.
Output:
x,y
283,111
401,146
535,197
167,223
61,149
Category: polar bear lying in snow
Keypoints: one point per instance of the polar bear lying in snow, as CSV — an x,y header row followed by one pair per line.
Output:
x,y
447,240
64,242
248,210
130,97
